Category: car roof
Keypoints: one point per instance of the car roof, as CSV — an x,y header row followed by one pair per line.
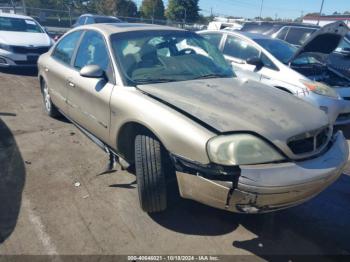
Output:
x,y
15,16
255,35
113,28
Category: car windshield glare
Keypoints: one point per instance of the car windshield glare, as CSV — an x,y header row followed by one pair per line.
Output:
x,y
166,56
282,50
19,25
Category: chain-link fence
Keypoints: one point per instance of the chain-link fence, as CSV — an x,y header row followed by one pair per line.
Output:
x,y
61,19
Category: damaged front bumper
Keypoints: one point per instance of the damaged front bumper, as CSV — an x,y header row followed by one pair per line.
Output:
x,y
262,188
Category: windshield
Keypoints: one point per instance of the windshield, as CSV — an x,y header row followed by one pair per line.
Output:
x,y
19,25
278,48
165,56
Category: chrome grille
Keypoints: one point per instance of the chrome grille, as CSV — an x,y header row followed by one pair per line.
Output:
x,y
310,142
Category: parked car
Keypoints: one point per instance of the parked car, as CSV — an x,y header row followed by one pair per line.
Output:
x,y
165,101
281,65
22,40
87,19
340,58
293,33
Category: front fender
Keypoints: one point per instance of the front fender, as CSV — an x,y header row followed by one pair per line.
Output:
x,y
179,134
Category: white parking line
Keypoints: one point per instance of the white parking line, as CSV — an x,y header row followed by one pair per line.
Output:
x,y
39,229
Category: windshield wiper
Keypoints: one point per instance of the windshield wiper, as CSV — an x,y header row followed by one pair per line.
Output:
x,y
210,76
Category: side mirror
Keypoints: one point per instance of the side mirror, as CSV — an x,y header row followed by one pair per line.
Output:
x,y
92,71
256,61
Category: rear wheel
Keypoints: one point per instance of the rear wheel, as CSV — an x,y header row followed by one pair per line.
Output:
x,y
152,164
50,108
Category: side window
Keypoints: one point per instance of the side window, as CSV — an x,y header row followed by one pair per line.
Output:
x,y
239,48
213,38
89,20
66,46
282,34
92,51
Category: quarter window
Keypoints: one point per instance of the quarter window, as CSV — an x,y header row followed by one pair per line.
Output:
x,y
239,48
92,51
65,48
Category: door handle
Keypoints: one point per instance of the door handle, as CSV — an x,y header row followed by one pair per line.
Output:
x,y
46,69
71,84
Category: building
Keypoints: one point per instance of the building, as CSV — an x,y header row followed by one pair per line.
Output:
x,y
326,19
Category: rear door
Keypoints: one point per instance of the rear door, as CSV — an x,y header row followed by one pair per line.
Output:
x,y
58,69
236,51
89,98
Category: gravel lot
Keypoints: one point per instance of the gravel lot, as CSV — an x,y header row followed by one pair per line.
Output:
x,y
43,212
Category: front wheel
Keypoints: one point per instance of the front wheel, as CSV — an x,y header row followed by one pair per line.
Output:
x,y
151,167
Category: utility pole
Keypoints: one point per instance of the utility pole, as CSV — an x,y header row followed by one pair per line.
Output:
x,y
13,6
261,8
318,21
24,7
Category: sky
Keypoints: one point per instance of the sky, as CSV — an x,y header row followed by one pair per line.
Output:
x,y
280,8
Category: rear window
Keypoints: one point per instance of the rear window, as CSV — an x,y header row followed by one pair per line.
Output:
x,y
19,25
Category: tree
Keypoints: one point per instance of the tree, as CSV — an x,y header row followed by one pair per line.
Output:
x,y
186,10
152,9
125,8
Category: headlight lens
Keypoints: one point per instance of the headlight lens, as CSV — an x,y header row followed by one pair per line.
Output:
x,y
319,88
241,149
5,47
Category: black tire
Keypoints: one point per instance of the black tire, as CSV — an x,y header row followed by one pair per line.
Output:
x,y
151,164
49,107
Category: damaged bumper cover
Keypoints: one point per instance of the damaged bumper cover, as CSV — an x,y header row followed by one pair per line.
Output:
x,y
262,188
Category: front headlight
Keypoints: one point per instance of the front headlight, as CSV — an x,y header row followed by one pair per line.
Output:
x,y
319,88
5,47
241,149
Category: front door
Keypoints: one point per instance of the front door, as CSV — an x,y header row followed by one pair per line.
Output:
x,y
89,98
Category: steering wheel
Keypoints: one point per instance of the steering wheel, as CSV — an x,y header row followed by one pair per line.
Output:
x,y
187,51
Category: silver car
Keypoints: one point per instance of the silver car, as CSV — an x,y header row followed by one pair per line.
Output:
x,y
165,101
299,71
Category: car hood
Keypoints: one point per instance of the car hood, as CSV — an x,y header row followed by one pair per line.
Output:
x,y
325,40
230,104
24,39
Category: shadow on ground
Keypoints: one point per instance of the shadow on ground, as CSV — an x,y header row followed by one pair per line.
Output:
x,y
12,177
320,226
24,71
